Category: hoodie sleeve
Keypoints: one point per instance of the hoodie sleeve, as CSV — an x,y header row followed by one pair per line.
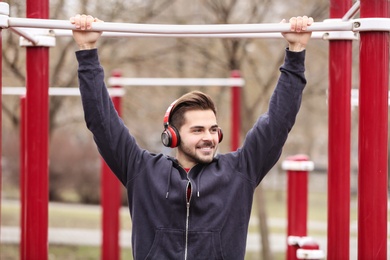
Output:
x,y
264,142
112,138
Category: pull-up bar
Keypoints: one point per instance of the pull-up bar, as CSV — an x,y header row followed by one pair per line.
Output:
x,y
367,24
63,32
177,29
226,82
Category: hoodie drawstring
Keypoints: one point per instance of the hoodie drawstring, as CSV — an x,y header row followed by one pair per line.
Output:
x,y
169,182
198,184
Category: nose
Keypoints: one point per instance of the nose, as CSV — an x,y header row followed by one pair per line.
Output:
x,y
208,135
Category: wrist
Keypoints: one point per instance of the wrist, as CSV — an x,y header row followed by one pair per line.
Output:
x,y
87,46
296,47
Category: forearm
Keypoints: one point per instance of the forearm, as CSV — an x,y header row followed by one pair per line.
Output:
x,y
264,142
110,133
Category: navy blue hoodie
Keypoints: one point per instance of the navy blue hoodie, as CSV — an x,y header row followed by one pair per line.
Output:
x,y
213,224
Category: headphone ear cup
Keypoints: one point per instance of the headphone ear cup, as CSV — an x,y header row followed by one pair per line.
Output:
x,y
170,137
220,134
175,136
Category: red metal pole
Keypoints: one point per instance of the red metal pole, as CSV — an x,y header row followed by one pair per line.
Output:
x,y
373,131
236,110
23,177
339,141
1,84
37,141
111,203
297,187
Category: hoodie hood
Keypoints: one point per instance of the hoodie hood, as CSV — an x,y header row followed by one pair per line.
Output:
x,y
197,168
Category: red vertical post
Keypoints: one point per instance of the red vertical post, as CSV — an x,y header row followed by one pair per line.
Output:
x,y
373,131
236,111
1,84
111,202
339,141
297,168
37,83
22,184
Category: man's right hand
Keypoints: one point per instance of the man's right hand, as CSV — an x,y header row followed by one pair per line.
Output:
x,y
82,34
299,36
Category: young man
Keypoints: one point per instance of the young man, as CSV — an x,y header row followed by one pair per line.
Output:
x,y
197,205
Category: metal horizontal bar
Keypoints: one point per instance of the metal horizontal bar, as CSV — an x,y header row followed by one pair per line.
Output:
x,y
228,82
179,29
66,33
21,91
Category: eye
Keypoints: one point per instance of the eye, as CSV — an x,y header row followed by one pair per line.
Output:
x,y
214,130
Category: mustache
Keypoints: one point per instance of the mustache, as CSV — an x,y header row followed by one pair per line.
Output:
x,y
206,144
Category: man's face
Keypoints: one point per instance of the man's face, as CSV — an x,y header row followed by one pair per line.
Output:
x,y
198,138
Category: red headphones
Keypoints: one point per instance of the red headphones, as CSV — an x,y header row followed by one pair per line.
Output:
x,y
170,136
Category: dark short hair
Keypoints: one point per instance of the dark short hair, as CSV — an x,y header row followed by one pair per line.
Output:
x,y
194,100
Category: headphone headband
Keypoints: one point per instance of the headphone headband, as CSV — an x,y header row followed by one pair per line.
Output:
x,y
168,113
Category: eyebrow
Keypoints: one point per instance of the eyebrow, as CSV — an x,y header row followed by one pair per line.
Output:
x,y
198,126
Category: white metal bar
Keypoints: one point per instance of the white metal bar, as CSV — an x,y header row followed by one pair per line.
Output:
x,y
179,29
216,30
23,33
352,11
14,91
20,91
371,24
66,33
229,82
298,165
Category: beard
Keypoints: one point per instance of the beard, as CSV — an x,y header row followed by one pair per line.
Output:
x,y
199,153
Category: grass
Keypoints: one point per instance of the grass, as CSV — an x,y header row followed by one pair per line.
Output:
x,y
11,252
71,216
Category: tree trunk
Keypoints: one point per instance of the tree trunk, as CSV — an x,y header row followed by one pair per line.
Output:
x,y
263,225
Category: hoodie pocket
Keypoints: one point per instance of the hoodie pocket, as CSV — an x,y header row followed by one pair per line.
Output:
x,y
204,246
167,245
170,244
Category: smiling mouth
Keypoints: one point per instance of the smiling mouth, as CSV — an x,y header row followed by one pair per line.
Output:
x,y
206,149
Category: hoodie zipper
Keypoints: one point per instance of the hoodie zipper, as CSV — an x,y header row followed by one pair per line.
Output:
x,y
188,199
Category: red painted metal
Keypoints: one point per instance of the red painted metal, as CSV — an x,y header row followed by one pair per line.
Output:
x,y
1,154
111,202
236,111
22,185
37,83
339,139
373,139
37,153
297,188
310,245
